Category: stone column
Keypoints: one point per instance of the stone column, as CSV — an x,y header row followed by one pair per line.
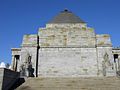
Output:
x,y
19,63
15,67
104,68
118,62
13,62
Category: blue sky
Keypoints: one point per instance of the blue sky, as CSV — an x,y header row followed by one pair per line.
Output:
x,y
19,17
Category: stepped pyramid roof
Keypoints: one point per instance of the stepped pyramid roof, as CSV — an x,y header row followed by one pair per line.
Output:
x,y
66,16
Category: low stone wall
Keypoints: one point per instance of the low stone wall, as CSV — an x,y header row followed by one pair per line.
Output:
x,y
7,78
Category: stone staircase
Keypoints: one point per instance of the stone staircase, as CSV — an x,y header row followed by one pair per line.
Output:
x,y
71,83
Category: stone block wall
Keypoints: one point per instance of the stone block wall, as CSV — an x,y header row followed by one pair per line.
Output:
x,y
67,37
109,68
103,40
67,62
25,53
1,77
62,42
29,48
67,50
30,40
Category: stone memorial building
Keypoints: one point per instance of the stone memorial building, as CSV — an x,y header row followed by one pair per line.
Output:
x,y
66,47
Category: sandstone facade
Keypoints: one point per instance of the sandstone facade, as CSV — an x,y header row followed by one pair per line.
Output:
x,y
66,47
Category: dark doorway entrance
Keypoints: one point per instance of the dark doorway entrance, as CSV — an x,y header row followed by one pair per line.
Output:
x,y
115,57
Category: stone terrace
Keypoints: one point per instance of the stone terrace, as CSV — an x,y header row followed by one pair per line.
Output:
x,y
74,83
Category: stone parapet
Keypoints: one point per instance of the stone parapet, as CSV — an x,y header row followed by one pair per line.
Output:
x,y
103,40
66,25
30,40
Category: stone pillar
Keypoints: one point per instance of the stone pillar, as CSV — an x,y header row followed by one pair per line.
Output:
x,y
15,67
13,62
19,63
118,62
104,68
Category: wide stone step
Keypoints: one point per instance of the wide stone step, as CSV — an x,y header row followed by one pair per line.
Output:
x,y
76,83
